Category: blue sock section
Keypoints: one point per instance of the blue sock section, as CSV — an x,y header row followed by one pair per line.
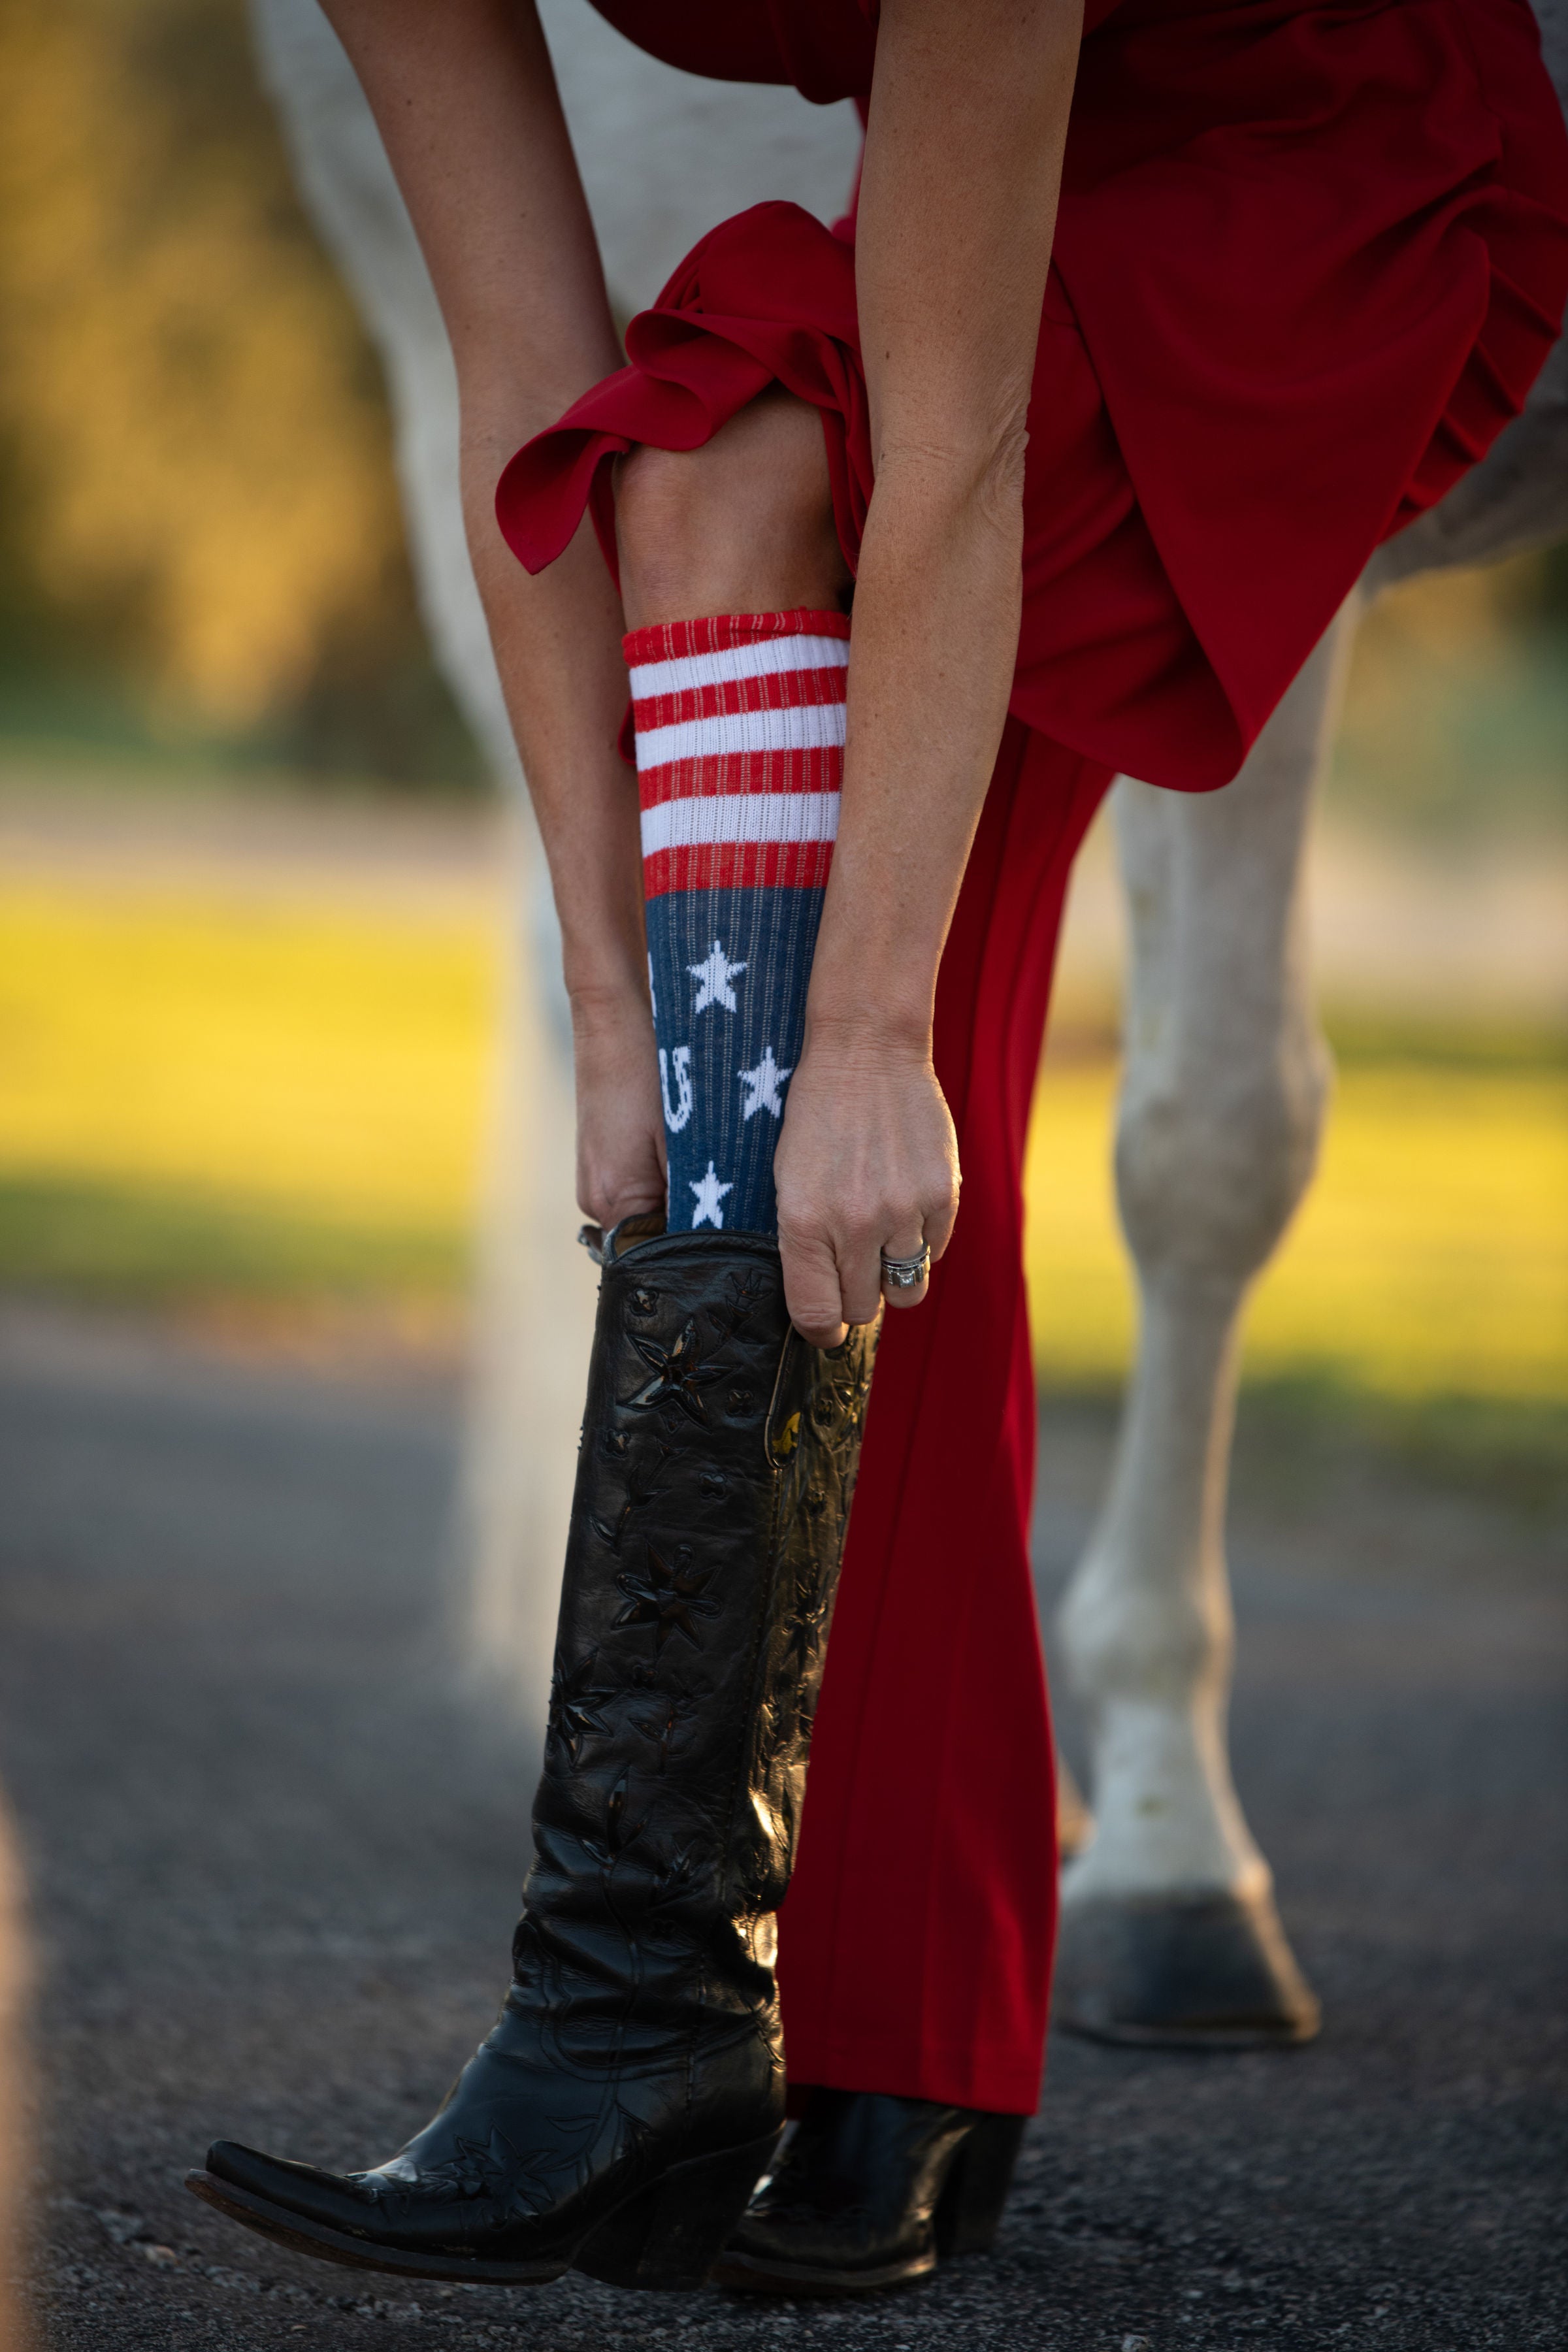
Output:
x,y
729,970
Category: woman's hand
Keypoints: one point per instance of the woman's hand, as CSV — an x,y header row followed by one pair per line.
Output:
x,y
867,1162
621,1166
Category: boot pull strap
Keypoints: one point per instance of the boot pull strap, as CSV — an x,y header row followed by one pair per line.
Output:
x,y
603,1247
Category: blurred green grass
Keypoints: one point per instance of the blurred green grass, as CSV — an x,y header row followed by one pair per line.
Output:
x,y
155,1249
157,1246
1512,1451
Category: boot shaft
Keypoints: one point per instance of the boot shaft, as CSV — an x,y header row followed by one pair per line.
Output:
x,y
714,1480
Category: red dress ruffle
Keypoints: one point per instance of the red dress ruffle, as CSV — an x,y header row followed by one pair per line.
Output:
x,y
1310,260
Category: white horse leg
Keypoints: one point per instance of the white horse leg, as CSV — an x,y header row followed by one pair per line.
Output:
x,y
663,156
535,1297
1169,1927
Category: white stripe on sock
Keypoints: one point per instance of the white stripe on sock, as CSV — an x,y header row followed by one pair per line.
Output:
x,y
739,816
767,659
807,727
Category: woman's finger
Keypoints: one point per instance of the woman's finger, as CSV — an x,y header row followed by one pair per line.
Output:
x,y
901,1253
812,1290
861,1272
940,1215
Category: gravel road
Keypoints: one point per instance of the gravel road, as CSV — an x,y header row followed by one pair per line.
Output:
x,y
274,1849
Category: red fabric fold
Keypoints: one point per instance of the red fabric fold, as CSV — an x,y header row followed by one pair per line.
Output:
x,y
915,1943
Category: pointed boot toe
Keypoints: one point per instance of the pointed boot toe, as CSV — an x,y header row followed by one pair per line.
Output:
x,y
278,2176
319,2212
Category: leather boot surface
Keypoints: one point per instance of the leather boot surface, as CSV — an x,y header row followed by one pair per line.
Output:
x,y
869,2191
632,2088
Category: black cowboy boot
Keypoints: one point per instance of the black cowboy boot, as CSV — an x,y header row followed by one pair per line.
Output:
x,y
870,2190
632,2089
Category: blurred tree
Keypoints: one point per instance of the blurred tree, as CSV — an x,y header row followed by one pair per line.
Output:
x,y
195,455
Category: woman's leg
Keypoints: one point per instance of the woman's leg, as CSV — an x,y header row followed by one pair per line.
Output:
x,y
619,2112
738,658
916,1942
745,524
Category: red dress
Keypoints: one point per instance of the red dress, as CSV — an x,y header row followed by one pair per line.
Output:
x,y
1308,260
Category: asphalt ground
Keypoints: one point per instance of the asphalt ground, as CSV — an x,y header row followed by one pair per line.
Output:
x,y
274,1844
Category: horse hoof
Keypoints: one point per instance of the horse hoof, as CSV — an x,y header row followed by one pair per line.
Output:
x,y
1182,1973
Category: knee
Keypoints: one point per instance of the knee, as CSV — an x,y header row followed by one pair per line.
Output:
x,y
1208,1174
661,496
742,524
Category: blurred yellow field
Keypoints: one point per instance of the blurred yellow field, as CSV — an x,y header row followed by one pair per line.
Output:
x,y
325,1069
331,1062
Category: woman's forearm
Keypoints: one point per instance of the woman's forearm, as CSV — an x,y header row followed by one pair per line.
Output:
x,y
557,648
465,103
963,155
936,628
557,644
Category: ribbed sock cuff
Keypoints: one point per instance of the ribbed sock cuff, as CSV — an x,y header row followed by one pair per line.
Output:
x,y
721,632
740,748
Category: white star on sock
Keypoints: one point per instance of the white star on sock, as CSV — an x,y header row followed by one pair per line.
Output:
x,y
763,1085
710,1192
715,972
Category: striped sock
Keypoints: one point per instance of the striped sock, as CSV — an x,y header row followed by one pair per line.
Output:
x,y
740,745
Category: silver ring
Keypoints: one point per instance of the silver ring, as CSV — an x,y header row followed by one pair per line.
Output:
x,y
905,1273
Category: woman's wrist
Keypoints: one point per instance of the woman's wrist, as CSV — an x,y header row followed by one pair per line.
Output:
x,y
609,1001
873,1032
863,1000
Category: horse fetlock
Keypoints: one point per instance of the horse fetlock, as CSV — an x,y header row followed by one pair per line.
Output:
x,y
1128,1639
1166,1814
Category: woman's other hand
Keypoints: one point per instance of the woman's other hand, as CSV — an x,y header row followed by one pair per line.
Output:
x,y
867,1162
620,1123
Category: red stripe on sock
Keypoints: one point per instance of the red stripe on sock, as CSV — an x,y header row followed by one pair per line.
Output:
x,y
716,634
737,865
815,771
789,689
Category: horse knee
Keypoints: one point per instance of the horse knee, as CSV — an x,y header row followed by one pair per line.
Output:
x,y
1209,1171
